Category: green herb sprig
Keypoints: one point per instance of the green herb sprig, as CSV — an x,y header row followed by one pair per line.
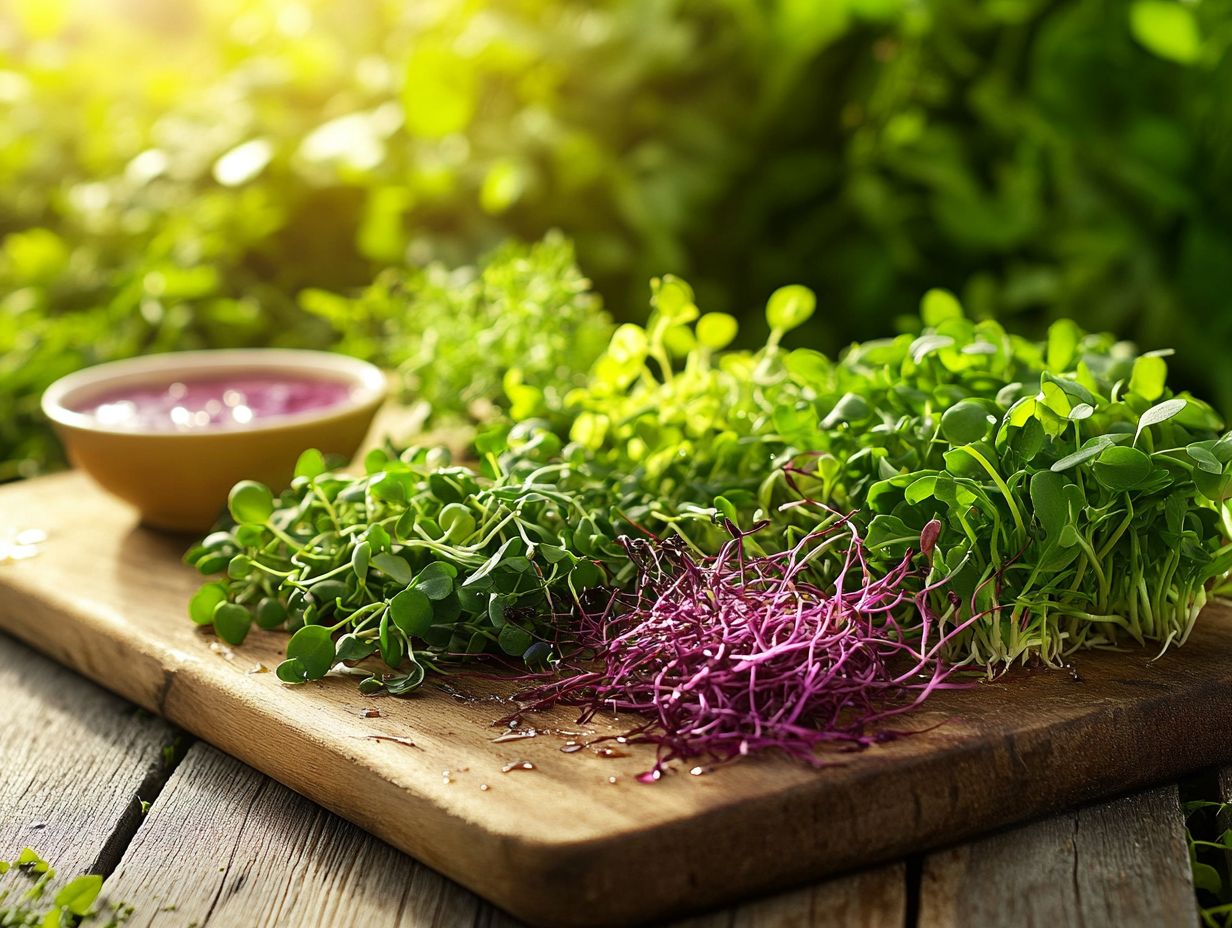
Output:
x,y
30,906
1081,502
417,564
515,332
1073,500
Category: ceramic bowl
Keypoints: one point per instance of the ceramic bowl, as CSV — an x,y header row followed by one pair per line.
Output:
x,y
180,479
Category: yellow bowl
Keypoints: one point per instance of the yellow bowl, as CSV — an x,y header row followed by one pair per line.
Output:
x,y
180,480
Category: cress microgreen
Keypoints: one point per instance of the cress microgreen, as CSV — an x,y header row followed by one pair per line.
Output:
x,y
231,622
1068,497
952,423
417,562
250,503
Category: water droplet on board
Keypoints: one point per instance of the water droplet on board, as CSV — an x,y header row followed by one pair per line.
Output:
x,y
610,752
516,734
571,747
700,771
517,765
613,780
369,713
21,545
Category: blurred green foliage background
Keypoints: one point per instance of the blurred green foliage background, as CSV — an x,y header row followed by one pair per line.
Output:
x,y
176,174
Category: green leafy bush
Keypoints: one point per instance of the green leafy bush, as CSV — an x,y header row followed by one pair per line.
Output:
x,y
522,329
173,175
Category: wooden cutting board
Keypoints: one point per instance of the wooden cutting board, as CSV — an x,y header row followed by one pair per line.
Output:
x,y
577,841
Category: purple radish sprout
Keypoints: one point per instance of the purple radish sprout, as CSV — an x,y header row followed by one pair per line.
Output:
x,y
731,654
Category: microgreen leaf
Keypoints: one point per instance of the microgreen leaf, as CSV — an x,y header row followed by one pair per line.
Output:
x,y
291,671
436,580
394,567
1063,340
411,611
849,408
392,647
361,558
231,622
1204,458
514,641
352,648
716,330
1088,451
28,859
1160,412
251,502
270,613
457,522
790,307
1121,468
966,422
1150,373
311,464
925,345
201,607
939,306
78,894
313,647
673,298
409,682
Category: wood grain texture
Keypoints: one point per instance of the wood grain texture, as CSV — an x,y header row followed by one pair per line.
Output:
x,y
872,899
73,761
1122,864
1032,743
226,847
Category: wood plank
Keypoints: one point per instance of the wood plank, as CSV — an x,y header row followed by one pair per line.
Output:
x,y
73,761
1121,864
871,899
1034,742
226,847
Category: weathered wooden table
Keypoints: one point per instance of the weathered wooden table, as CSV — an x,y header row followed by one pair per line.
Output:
x,y
222,845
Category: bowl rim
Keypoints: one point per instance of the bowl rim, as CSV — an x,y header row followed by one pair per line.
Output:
x,y
369,386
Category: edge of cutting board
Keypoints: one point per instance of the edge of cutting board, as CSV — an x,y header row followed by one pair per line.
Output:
x,y
1032,744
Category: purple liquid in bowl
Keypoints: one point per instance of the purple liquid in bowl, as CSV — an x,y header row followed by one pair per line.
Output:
x,y
213,402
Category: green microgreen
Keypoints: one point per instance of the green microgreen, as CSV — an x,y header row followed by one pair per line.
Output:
x,y
1070,498
414,564
26,905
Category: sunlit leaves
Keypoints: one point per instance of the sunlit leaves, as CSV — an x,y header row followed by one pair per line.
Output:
x,y
502,186
790,307
251,502
439,91
1160,412
716,330
1168,28
939,306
